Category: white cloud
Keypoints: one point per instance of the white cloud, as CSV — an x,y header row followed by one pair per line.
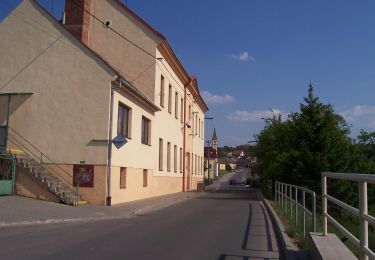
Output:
x,y
361,117
358,111
243,56
210,98
233,140
243,116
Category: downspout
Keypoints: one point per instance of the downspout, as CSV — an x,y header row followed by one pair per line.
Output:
x,y
109,169
184,143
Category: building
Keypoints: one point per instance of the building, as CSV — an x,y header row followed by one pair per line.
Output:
x,y
86,85
211,158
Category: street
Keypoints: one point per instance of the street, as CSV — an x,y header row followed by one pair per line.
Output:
x,y
223,224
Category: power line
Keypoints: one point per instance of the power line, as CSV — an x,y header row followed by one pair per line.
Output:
x,y
113,30
31,62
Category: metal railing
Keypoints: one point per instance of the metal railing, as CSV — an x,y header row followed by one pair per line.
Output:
x,y
361,212
29,149
291,194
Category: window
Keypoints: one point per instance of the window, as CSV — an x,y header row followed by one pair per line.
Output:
x,y
175,159
123,120
196,165
162,91
199,127
182,111
176,105
146,129
189,113
169,156
196,124
144,177
192,163
122,177
160,154
170,100
181,164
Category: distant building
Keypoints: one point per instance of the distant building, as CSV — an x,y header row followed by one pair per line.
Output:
x,y
211,163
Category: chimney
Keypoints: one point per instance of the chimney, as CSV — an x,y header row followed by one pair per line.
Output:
x,y
77,19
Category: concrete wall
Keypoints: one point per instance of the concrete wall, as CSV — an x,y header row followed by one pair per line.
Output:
x,y
71,86
27,187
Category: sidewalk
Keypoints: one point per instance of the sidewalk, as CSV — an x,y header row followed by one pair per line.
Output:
x,y
19,211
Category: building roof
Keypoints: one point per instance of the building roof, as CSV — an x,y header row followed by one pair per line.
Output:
x,y
139,19
214,137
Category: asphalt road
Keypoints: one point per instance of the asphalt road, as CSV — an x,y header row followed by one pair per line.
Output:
x,y
225,224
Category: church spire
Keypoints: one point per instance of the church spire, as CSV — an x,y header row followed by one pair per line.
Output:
x,y
214,137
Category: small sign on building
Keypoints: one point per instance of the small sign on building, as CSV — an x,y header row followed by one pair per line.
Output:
x,y
83,175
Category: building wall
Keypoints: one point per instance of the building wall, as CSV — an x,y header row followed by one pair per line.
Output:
x,y
69,106
124,57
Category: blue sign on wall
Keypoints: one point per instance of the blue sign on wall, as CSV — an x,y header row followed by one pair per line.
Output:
x,y
119,141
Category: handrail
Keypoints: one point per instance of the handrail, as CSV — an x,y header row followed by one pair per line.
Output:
x,y
50,165
281,196
361,213
42,155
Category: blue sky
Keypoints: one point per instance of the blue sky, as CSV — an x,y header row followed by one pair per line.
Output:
x,y
250,56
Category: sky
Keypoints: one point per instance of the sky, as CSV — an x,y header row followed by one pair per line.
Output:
x,y
255,58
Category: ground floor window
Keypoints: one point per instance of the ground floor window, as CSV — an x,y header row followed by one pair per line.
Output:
x,y
122,177
145,175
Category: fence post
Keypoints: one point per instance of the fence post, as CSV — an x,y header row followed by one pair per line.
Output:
x,y
314,211
291,202
282,195
296,195
324,204
304,213
363,223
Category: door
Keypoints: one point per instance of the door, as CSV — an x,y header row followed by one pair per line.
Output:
x,y
7,174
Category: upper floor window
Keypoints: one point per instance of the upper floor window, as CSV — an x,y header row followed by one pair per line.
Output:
x,y
182,111
170,99
176,105
123,120
146,131
162,91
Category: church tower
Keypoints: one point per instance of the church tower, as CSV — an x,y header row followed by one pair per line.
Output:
x,y
214,141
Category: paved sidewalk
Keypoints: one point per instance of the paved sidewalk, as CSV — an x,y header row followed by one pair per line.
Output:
x,y
18,211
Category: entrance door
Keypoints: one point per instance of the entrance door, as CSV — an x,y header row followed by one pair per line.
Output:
x,y
188,171
7,174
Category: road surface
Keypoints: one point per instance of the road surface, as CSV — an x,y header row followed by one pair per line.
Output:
x,y
225,224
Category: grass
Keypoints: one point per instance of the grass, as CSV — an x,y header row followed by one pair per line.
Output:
x,y
295,230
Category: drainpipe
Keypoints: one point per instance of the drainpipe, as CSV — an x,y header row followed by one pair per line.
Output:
x,y
184,143
109,169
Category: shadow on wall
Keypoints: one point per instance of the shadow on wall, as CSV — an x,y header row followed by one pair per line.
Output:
x,y
17,101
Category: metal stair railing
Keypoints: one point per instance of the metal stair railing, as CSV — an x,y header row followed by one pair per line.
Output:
x,y
41,158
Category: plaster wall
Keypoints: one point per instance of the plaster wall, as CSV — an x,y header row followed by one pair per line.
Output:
x,y
69,106
130,61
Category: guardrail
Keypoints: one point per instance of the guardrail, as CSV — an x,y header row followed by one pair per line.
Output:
x,y
361,212
285,193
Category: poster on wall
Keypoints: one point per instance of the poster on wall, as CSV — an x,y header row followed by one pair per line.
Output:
x,y
83,175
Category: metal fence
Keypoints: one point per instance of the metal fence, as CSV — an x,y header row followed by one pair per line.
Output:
x,y
290,196
361,213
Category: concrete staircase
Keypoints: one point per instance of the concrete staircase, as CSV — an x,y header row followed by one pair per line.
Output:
x,y
43,174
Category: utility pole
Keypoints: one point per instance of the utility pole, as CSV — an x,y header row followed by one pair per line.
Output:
x,y
208,153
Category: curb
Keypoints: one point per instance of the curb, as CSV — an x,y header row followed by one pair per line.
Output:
x,y
289,248
142,211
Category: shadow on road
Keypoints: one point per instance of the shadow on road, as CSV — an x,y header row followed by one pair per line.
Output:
x,y
259,241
